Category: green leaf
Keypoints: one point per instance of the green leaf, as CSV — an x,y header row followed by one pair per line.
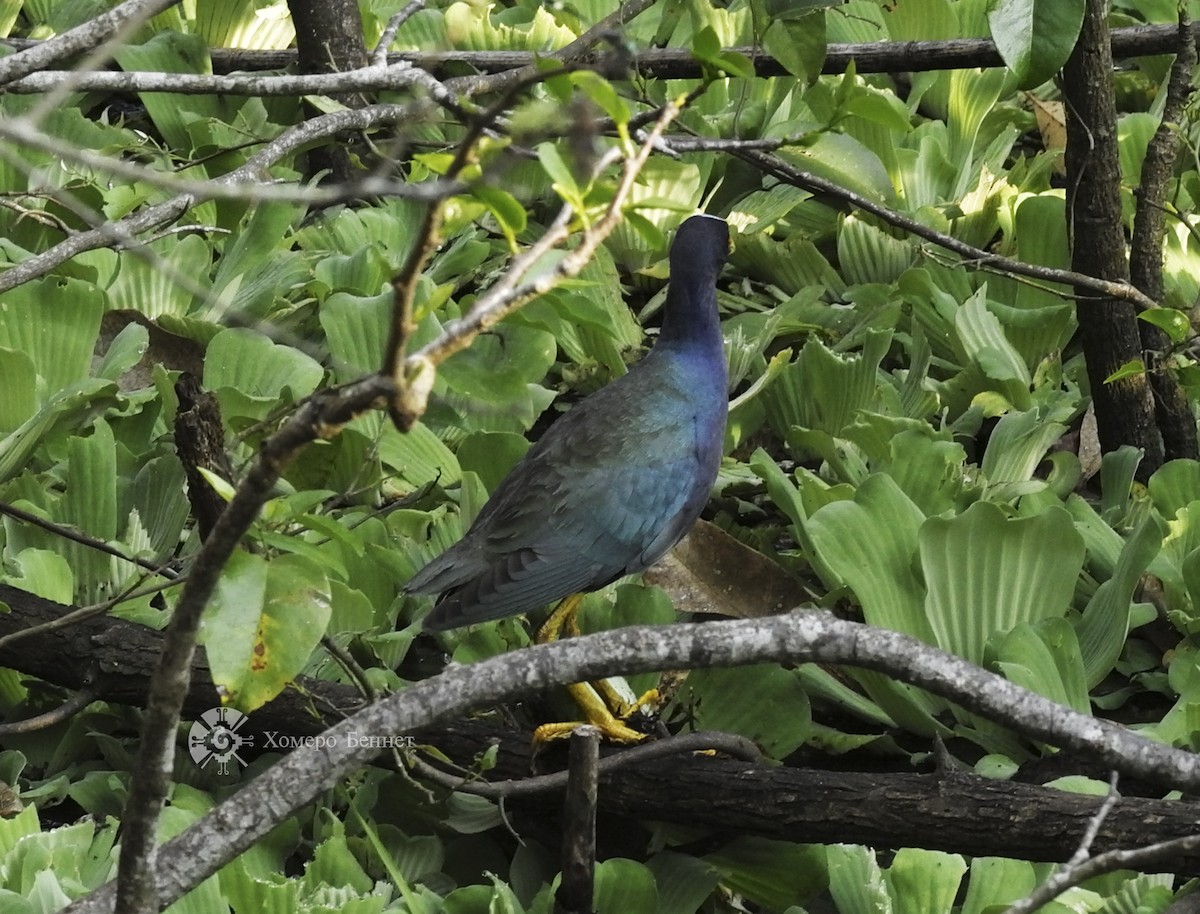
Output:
x,y
18,380
1104,625
855,880
622,886
1044,659
1018,443
1174,323
1035,37
987,573
560,174
251,374
1132,368
509,213
55,321
871,545
997,882
601,91
262,625
798,42
923,881
684,882
764,703
774,874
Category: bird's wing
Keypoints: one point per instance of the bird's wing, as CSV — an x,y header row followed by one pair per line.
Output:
x,y
587,505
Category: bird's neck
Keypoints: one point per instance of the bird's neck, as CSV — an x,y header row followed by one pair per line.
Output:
x,y
690,319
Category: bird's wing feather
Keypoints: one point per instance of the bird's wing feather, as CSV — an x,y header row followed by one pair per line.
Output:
x,y
596,498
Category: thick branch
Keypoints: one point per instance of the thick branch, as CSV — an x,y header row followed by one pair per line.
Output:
x,y
955,812
658,63
95,31
1108,327
1175,419
236,824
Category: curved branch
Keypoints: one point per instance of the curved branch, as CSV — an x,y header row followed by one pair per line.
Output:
x,y
95,31
236,183
658,63
240,821
797,177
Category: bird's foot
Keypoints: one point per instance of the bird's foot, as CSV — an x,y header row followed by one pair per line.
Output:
x,y
607,704
597,713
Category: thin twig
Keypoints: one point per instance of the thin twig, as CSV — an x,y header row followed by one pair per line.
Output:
x,y
75,536
379,57
978,257
700,741
65,711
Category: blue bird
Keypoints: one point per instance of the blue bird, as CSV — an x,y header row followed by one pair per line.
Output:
x,y
616,482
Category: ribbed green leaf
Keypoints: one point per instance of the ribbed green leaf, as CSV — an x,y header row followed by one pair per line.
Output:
x,y
90,502
868,254
997,881
1175,485
357,331
418,457
855,880
249,363
18,380
153,287
173,52
822,390
68,406
684,882
986,573
764,703
1018,443
159,497
623,886
54,321
871,545
985,342
1105,622
245,24
773,874
924,882
1044,659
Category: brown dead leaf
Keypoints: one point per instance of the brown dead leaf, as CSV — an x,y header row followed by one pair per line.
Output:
x,y
1051,119
711,572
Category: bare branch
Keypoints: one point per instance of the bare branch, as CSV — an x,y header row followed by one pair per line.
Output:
x,y
95,31
977,257
239,183
797,637
669,63
700,741
65,711
379,57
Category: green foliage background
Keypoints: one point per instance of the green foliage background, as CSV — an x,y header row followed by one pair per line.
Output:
x,y
899,441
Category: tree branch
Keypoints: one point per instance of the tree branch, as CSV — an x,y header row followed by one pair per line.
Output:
x,y
95,31
240,821
977,257
659,63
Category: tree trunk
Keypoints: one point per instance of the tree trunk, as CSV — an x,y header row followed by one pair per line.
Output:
x,y
1107,327
1175,419
329,39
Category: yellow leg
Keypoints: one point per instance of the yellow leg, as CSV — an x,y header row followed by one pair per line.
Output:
x,y
590,697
